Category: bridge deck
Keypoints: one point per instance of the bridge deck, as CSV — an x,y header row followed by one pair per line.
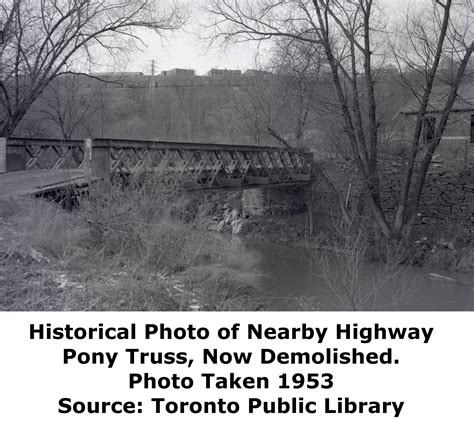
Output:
x,y
36,182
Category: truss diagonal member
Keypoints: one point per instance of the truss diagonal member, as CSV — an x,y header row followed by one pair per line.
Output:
x,y
163,165
154,157
115,160
186,165
262,164
247,165
35,153
64,153
216,170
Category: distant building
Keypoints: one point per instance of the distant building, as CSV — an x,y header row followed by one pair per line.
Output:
x,y
255,73
178,72
460,127
224,72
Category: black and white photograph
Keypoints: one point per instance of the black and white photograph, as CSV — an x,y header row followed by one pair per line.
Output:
x,y
236,155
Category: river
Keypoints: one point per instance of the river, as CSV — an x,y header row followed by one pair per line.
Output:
x,y
290,274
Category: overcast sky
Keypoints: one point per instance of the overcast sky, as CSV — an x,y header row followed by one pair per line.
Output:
x,y
186,50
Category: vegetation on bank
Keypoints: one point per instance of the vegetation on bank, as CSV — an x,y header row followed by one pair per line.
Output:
x,y
145,248
119,249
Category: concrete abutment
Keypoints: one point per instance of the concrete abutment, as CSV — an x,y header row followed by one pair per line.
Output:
x,y
266,201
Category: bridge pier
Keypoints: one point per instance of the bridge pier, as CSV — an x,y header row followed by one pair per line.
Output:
x,y
266,201
12,157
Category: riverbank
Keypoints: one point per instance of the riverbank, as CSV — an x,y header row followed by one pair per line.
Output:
x,y
446,248
124,251
117,255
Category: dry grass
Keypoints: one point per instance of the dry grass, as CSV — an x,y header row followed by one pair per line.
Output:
x,y
123,248
224,272
48,228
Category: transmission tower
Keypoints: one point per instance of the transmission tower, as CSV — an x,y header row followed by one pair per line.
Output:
x,y
153,67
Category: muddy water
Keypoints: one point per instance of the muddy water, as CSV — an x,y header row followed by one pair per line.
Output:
x,y
291,271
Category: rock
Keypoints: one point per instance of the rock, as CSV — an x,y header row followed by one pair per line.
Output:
x,y
466,264
62,280
237,226
217,227
38,257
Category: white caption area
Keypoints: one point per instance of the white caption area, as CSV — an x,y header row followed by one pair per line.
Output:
x,y
431,381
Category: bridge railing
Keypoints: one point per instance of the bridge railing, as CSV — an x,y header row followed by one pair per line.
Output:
x,y
18,154
200,165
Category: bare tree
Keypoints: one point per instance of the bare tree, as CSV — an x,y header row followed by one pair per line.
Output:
x,y
259,109
45,38
283,98
442,37
355,41
69,106
303,89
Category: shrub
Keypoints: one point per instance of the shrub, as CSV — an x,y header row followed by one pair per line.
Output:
x,y
47,227
352,279
125,247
